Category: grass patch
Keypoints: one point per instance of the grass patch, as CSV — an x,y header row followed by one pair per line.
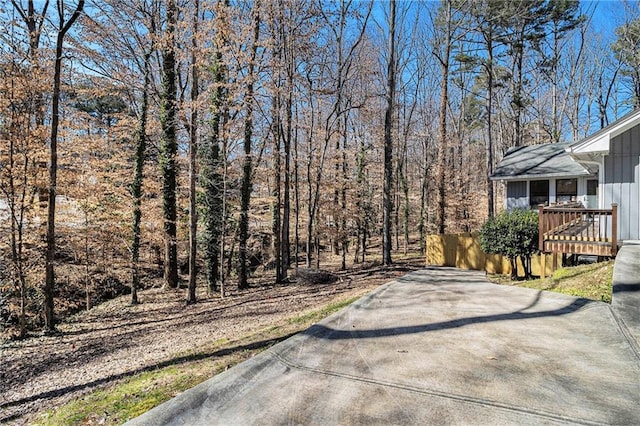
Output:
x,y
593,281
133,396
129,398
314,316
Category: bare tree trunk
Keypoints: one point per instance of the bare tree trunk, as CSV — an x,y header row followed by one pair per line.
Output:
x,y
210,176
517,99
193,155
136,187
388,142
396,197
53,164
489,140
312,197
275,194
286,202
442,123
225,177
422,226
405,208
343,197
403,171
314,193
310,212
247,166
87,276
556,120
296,194
169,148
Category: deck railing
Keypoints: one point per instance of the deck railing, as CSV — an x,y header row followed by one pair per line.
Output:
x,y
578,230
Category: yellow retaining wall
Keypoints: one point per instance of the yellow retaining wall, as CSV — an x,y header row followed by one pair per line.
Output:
x,y
441,249
463,251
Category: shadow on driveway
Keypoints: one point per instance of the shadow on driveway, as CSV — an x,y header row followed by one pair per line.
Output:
x,y
323,332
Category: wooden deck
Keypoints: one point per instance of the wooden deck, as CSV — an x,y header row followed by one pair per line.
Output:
x,y
574,230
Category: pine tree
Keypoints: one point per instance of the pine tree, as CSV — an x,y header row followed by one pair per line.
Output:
x,y
627,52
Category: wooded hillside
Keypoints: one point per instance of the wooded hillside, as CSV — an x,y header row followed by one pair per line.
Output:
x,y
202,140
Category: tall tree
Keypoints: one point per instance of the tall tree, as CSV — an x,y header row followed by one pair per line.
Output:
x,y
210,164
276,135
136,186
564,17
485,17
62,29
521,25
445,17
247,166
169,146
193,155
346,26
487,34
289,61
388,141
627,52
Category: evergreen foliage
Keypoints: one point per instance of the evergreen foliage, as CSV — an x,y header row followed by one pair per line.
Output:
x,y
512,234
627,50
136,185
169,149
211,180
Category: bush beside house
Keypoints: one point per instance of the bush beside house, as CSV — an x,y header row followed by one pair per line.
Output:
x,y
513,234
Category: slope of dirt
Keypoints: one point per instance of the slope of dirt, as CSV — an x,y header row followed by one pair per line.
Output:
x,y
114,340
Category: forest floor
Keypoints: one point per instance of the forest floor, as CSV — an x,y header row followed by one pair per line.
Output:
x,y
115,340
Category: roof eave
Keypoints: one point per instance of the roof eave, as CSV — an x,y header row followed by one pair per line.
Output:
x,y
540,177
599,141
588,158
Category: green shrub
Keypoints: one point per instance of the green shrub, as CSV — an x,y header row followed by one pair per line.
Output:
x,y
512,234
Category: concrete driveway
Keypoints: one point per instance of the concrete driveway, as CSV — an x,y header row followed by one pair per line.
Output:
x,y
437,346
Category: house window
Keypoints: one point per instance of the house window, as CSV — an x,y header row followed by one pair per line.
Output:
x,y
566,190
517,195
538,192
592,187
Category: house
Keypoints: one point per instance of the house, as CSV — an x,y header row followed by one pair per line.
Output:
x,y
591,188
546,174
615,151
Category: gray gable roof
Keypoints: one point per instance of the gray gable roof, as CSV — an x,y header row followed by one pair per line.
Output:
x,y
538,162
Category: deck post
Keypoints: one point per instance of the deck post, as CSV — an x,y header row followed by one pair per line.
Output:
x,y
540,227
541,240
614,229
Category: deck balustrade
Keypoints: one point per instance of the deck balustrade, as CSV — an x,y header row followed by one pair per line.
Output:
x,y
576,230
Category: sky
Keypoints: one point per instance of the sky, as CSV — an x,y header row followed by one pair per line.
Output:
x,y
609,14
